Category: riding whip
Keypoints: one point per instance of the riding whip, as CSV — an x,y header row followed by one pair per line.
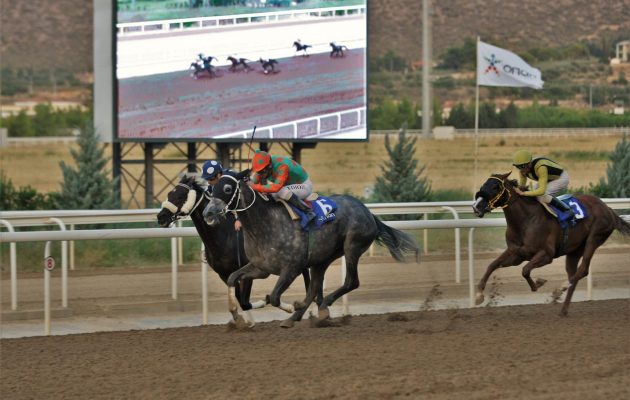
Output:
x,y
249,160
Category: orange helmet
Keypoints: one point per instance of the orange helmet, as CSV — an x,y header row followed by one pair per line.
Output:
x,y
260,161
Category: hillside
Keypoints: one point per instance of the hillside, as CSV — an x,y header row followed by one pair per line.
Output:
x,y
43,33
397,25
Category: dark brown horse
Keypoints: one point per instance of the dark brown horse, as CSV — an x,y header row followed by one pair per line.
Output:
x,y
534,235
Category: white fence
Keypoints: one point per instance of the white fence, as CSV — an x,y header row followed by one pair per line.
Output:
x,y
319,126
13,219
527,132
241,20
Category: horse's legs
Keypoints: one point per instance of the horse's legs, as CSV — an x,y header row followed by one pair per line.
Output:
x,y
571,264
287,276
350,283
249,271
592,243
243,293
314,289
541,258
507,259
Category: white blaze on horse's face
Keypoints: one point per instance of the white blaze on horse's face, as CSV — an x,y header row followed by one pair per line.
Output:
x,y
475,206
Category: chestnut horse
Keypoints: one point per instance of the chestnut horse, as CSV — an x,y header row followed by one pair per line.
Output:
x,y
534,235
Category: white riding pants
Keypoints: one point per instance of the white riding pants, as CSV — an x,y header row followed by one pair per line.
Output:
x,y
301,190
554,188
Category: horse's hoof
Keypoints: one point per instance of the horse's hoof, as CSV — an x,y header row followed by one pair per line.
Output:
x,y
287,323
479,299
556,294
239,323
323,314
540,282
564,312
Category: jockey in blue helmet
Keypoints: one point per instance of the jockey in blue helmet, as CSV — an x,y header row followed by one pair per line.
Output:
x,y
211,171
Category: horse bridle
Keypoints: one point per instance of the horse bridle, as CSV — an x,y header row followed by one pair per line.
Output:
x,y
492,202
237,195
189,205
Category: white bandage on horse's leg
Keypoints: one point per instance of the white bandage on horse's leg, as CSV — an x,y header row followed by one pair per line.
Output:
x,y
249,319
258,304
190,201
286,307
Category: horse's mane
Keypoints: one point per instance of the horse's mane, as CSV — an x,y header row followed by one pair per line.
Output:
x,y
198,182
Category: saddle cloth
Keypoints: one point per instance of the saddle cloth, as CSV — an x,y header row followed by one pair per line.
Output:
x,y
563,218
323,207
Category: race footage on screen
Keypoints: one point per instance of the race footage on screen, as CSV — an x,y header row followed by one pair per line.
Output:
x,y
213,72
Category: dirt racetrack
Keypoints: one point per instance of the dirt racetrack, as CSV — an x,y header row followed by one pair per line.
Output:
x,y
484,353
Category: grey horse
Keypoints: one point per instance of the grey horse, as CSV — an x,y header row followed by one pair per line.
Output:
x,y
224,248
277,245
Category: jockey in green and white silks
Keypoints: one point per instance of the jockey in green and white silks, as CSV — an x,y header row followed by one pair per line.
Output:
x,y
551,179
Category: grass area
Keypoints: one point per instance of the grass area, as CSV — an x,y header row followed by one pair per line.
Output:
x,y
353,167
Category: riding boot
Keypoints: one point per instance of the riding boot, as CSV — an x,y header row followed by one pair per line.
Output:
x,y
294,200
562,206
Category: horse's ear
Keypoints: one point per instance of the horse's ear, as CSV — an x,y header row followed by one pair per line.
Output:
x,y
504,176
244,175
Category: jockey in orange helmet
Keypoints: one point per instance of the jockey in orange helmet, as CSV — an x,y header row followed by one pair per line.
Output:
x,y
283,178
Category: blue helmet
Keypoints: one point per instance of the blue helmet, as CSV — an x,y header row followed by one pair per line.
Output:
x,y
210,169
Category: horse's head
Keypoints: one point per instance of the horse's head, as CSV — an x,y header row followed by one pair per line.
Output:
x,y
495,192
180,201
225,198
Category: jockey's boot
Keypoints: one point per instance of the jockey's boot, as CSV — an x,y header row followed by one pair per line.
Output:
x,y
564,207
310,214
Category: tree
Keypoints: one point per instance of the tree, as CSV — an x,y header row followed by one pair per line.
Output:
x,y
401,181
508,117
88,186
617,182
22,198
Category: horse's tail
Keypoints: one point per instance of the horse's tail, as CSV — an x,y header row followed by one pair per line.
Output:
x,y
622,226
396,241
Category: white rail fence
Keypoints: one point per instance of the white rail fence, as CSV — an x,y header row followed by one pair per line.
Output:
x,y
10,220
308,128
128,29
526,132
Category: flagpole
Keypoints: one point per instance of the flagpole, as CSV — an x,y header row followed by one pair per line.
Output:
x,y
476,117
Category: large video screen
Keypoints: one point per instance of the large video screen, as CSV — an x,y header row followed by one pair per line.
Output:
x,y
198,70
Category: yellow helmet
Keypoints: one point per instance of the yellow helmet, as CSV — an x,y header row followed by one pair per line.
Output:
x,y
522,157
